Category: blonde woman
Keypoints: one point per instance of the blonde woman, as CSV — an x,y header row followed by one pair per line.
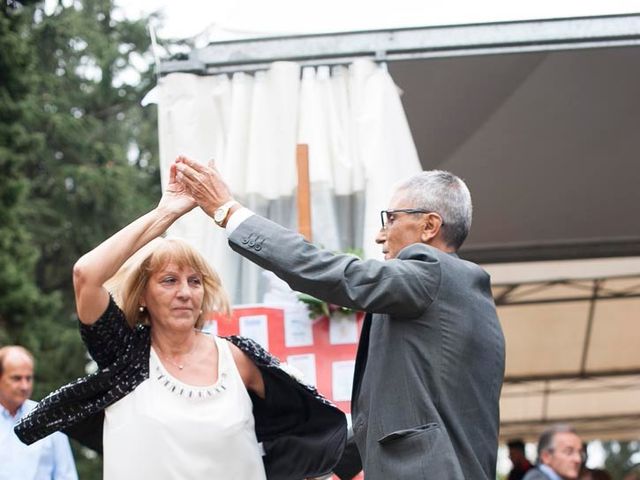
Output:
x,y
169,401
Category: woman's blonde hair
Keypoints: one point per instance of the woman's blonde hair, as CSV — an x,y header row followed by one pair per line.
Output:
x,y
128,284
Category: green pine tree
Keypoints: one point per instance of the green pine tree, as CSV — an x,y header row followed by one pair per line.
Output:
x,y
621,457
78,160
22,302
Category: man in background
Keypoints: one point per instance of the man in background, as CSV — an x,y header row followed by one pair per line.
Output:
x,y
521,464
560,455
49,458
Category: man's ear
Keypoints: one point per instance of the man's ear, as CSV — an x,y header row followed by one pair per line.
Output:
x,y
545,457
431,227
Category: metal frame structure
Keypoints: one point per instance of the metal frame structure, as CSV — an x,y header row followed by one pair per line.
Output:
x,y
590,290
544,390
411,43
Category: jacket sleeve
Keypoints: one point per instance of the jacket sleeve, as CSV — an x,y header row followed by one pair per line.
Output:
x,y
108,337
405,286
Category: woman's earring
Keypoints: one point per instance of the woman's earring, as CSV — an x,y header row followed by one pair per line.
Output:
x,y
141,308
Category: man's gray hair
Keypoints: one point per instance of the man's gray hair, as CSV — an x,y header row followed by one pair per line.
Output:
x,y
446,194
545,443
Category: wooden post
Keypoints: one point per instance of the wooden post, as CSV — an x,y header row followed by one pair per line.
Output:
x,y
304,191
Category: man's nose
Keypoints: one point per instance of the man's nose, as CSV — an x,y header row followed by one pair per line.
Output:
x,y
25,384
381,236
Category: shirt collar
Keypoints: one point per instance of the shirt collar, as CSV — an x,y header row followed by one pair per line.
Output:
x,y
549,472
22,410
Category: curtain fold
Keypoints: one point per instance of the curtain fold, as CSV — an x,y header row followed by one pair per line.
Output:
x,y
359,146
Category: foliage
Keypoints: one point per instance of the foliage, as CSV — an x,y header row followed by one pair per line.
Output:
x,y
22,303
621,457
92,122
23,306
78,160
318,308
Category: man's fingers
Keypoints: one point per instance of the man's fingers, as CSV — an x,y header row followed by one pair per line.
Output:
x,y
188,173
182,160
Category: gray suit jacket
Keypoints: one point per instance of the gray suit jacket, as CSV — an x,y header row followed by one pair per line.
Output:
x,y
430,362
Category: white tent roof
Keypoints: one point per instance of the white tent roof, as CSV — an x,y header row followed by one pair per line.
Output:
x,y
573,346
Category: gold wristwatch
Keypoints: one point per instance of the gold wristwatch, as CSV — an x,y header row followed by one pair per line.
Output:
x,y
221,213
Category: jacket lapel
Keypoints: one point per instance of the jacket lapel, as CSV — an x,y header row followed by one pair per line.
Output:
x,y
361,359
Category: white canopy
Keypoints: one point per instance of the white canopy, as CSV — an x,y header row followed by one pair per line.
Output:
x,y
573,346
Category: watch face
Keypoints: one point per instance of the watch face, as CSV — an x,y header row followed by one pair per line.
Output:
x,y
219,214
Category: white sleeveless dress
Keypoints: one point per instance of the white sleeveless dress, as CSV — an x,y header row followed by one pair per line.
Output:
x,y
166,429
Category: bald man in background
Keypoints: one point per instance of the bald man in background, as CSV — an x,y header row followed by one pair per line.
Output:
x,y
49,458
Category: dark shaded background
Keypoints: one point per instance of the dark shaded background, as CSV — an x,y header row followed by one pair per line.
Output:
x,y
547,142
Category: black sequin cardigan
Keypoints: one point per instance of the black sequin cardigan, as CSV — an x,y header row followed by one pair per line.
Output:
x,y
303,434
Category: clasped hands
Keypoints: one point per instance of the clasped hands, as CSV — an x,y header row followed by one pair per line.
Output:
x,y
203,183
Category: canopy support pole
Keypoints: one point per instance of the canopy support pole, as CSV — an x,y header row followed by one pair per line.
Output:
x,y
304,191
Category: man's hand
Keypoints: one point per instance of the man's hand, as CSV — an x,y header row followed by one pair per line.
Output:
x,y
204,184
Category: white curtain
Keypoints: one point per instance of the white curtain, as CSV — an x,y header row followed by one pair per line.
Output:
x,y
359,146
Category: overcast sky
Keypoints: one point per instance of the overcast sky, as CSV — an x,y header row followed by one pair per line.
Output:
x,y
227,19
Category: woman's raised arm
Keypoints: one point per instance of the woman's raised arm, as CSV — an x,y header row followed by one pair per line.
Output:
x,y
94,268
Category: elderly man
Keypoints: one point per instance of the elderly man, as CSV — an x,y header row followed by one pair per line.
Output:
x,y
430,362
51,457
560,455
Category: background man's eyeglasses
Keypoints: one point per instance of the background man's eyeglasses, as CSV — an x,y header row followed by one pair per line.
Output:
x,y
385,214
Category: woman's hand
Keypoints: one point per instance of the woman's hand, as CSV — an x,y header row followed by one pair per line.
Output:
x,y
176,199
203,183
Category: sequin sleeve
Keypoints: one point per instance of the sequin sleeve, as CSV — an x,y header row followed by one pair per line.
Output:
x,y
108,337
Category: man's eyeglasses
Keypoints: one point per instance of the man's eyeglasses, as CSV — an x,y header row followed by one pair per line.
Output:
x,y
386,216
